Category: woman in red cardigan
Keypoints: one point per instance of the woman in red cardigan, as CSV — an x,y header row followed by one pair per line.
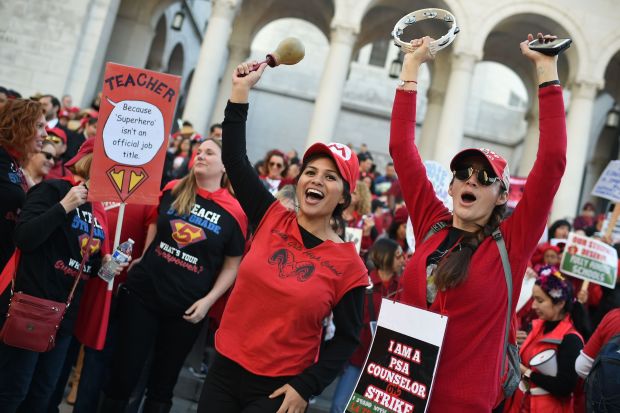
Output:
x,y
458,270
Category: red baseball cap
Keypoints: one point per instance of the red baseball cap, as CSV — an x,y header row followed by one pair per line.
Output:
x,y
343,156
57,132
63,113
87,147
496,162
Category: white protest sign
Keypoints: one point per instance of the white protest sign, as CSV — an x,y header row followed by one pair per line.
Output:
x,y
133,133
608,185
590,260
440,177
354,235
399,371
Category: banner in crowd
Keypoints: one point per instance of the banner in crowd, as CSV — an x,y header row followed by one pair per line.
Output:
x,y
135,118
591,260
440,177
401,364
608,185
354,235
515,192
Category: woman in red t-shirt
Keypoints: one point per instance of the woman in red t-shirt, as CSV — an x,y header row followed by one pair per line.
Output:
x,y
458,271
296,272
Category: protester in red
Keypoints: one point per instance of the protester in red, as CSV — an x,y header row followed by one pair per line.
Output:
x,y
549,352
450,271
609,327
295,273
194,248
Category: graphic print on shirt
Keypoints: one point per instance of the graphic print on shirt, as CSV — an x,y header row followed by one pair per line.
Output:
x,y
289,267
81,223
185,234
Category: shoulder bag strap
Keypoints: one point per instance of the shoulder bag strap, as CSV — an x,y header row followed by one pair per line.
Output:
x,y
501,246
371,303
85,257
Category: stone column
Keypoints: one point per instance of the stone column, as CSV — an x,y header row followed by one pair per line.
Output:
x,y
578,125
329,97
450,128
203,90
426,141
530,143
237,54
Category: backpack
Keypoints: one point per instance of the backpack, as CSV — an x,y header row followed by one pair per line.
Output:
x,y
603,382
511,374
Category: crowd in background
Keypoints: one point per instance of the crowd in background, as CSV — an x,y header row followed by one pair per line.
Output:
x,y
378,214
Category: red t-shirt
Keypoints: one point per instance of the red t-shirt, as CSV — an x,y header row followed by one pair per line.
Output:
x,y
609,327
467,378
273,320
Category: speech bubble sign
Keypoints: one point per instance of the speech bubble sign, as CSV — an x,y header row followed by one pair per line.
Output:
x,y
133,133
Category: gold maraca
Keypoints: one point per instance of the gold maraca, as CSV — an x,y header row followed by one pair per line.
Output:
x,y
289,52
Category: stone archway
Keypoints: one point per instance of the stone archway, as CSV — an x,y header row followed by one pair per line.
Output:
x,y
176,60
155,59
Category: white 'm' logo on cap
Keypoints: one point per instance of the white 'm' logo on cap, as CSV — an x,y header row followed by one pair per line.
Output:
x,y
341,150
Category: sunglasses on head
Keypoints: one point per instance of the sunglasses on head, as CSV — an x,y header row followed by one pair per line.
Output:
x,y
53,139
482,175
49,156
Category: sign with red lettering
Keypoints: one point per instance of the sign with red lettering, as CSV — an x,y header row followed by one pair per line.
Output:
x,y
135,117
591,260
401,364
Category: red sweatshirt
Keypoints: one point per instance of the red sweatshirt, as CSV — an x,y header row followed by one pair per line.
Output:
x,y
467,378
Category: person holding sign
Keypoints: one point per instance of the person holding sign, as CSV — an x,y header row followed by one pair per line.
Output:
x,y
194,246
54,230
295,273
549,352
388,260
452,267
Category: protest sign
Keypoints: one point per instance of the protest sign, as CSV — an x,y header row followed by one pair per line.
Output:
x,y
440,177
135,117
401,364
354,235
608,185
590,260
515,192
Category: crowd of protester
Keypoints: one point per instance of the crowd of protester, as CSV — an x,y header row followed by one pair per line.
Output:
x,y
160,306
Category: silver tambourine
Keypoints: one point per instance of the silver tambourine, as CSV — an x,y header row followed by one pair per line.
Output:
x,y
425,14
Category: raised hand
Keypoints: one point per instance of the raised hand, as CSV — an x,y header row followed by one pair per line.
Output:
x,y
546,66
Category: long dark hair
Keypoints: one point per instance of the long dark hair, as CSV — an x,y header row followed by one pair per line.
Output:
x,y
346,190
452,269
382,253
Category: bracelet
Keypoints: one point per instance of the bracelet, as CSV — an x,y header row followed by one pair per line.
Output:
x,y
408,81
549,83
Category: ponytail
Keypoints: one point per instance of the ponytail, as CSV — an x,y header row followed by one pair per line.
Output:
x,y
452,269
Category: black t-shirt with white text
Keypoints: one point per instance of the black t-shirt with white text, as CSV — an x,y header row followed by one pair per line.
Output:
x,y
182,263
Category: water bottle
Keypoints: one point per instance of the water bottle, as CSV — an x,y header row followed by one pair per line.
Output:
x,y
121,254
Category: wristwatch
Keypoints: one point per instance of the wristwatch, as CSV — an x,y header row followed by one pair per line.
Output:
x,y
402,83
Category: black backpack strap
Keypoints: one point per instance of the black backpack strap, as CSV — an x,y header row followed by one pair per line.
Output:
x,y
435,228
371,304
503,252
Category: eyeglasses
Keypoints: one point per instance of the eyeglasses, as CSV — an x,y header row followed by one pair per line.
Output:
x,y
49,156
277,165
53,139
482,175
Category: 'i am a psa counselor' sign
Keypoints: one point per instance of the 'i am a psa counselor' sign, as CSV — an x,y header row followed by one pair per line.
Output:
x,y
401,364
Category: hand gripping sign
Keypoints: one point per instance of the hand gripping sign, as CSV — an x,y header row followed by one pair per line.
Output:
x,y
135,118
425,14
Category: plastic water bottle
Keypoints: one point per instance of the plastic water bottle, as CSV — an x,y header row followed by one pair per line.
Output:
x,y
121,254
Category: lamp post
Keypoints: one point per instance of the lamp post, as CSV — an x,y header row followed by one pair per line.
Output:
x,y
613,117
396,66
177,20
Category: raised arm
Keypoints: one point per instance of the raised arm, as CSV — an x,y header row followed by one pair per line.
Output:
x,y
546,175
254,198
424,207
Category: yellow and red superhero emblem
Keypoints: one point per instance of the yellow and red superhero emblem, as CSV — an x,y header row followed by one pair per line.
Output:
x,y
185,234
95,244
